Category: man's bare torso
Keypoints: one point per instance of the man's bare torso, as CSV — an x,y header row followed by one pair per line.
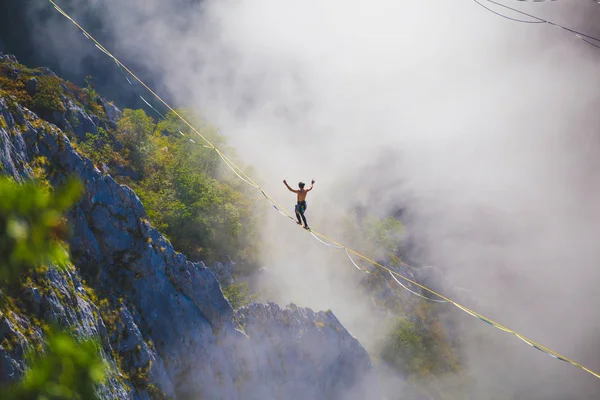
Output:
x,y
302,194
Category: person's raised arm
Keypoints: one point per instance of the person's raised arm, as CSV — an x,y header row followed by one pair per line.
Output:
x,y
311,186
288,186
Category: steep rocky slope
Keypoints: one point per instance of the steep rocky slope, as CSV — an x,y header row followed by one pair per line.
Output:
x,y
162,321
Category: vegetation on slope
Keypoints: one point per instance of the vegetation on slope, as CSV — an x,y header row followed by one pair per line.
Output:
x,y
417,345
46,92
206,216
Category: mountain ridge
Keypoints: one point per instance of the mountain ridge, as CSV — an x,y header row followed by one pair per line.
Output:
x,y
168,328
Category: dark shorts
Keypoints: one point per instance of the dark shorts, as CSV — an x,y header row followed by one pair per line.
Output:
x,y
301,207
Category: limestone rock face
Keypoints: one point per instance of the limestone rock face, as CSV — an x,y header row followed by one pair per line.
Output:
x,y
298,350
174,323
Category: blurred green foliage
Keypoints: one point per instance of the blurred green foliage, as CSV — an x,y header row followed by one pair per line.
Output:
x,y
32,230
67,370
32,226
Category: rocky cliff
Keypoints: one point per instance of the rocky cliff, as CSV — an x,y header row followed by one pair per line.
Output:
x,y
163,323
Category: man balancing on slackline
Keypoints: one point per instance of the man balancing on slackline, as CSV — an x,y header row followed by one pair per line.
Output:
x,y
301,205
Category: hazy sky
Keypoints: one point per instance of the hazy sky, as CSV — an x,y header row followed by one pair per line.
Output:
x,y
484,130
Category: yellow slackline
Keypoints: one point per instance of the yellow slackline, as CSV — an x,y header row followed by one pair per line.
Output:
x,y
243,176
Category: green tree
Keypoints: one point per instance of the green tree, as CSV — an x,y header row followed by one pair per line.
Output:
x,y
134,130
134,127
